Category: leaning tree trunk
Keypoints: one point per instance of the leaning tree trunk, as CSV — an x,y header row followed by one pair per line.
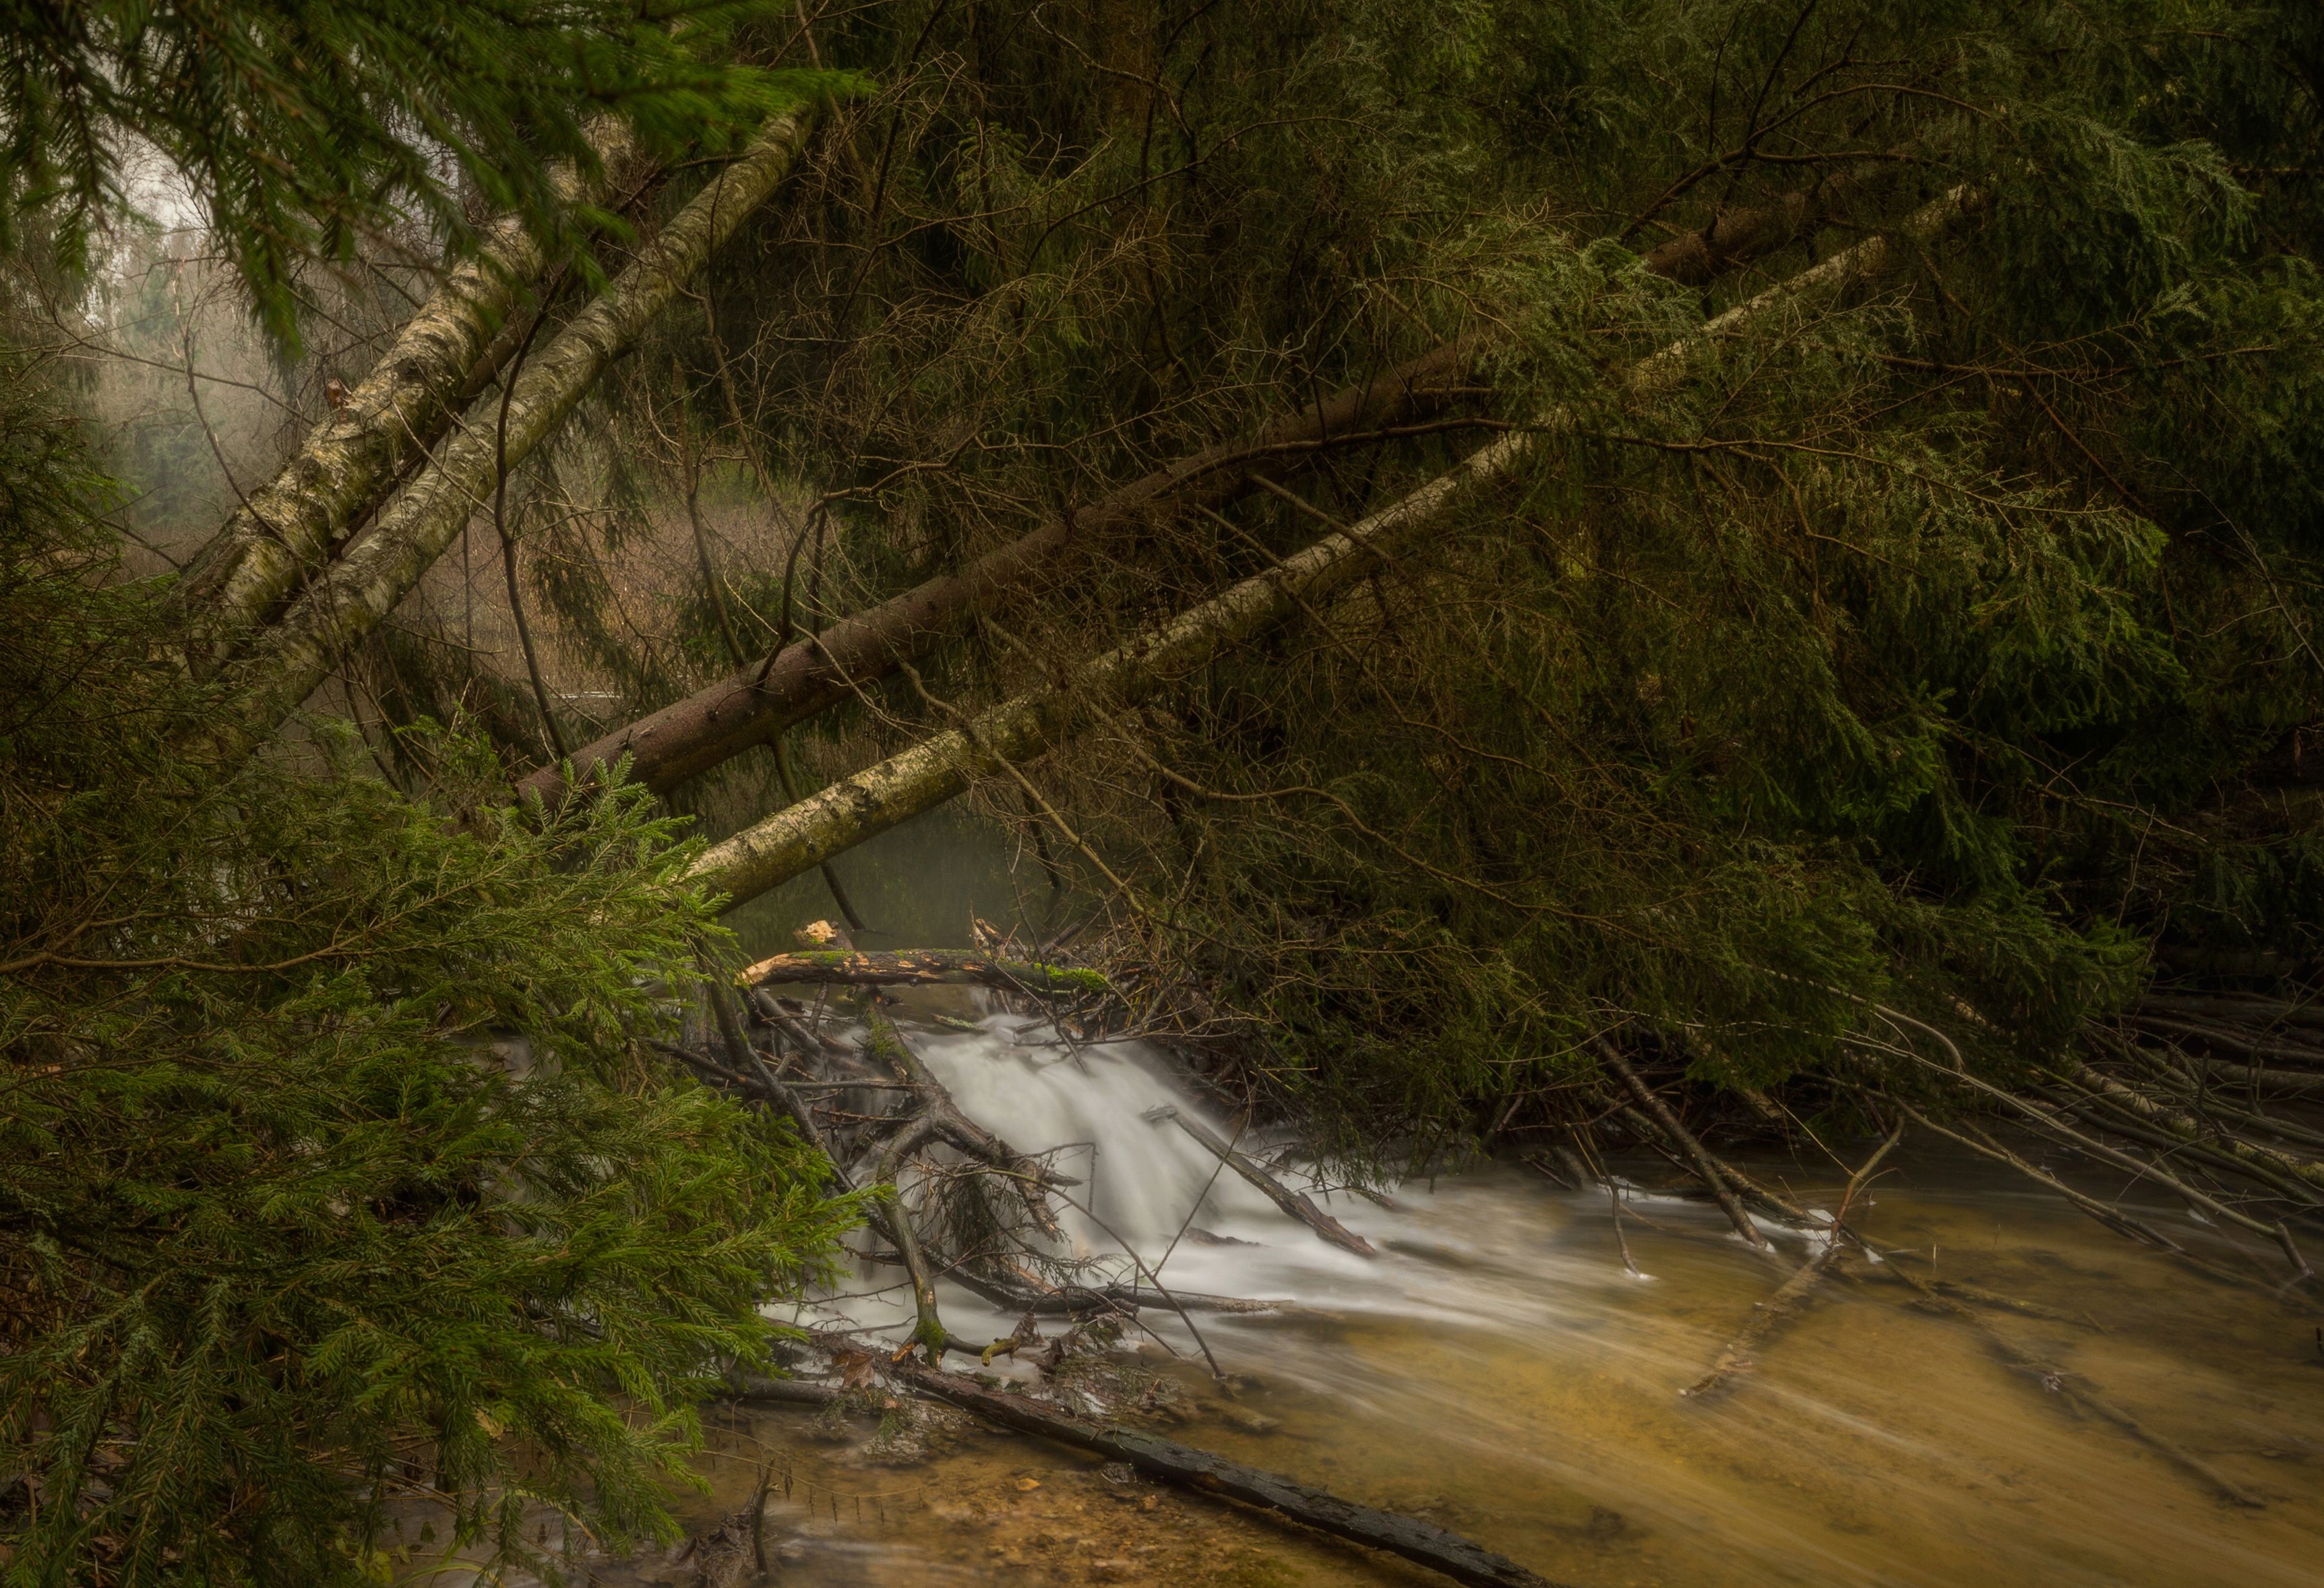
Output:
x,y
688,737
440,360
286,663
941,768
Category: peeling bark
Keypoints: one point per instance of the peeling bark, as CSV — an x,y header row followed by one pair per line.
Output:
x,y
443,358
340,608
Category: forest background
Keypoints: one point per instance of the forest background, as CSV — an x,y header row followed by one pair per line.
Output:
x,y
1758,527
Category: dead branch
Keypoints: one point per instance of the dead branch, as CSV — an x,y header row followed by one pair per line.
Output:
x,y
1652,1101
919,967
1299,1205
1737,1355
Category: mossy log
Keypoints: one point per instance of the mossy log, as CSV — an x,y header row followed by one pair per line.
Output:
x,y
919,967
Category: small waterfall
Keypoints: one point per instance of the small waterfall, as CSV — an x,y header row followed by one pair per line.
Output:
x,y
1496,1368
1475,1250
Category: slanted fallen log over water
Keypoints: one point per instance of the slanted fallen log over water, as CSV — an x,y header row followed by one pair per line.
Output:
x,y
1297,1203
753,704
919,967
688,737
946,765
1422,1542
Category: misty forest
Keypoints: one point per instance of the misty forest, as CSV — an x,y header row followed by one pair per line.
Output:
x,y
902,792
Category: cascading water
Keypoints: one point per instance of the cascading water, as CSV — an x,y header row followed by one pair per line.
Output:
x,y
1147,1185
1497,1370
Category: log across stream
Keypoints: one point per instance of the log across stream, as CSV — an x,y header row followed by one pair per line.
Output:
x,y
1495,1371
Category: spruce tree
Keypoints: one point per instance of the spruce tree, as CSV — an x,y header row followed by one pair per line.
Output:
x,y
338,1164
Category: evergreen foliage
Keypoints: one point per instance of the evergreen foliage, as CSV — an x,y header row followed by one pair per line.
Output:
x,y
332,1167
1939,647
338,1164
302,128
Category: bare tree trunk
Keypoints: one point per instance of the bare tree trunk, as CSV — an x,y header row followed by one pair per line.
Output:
x,y
442,358
289,660
941,768
712,726
709,727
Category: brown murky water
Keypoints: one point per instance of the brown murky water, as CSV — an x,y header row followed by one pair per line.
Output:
x,y
1539,1410
1498,1371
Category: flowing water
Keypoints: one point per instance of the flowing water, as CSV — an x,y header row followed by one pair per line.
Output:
x,y
1497,1370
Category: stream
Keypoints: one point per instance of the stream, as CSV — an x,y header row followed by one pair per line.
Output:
x,y
1498,1371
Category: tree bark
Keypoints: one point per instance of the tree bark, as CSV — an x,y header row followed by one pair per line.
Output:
x,y
690,736
753,704
944,766
444,356
289,660
1732,237
1424,1543
884,795
919,967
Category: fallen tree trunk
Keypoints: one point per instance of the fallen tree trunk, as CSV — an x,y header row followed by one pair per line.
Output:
x,y
441,359
919,967
1297,1204
1735,237
688,737
286,663
1422,1542
752,705
944,766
